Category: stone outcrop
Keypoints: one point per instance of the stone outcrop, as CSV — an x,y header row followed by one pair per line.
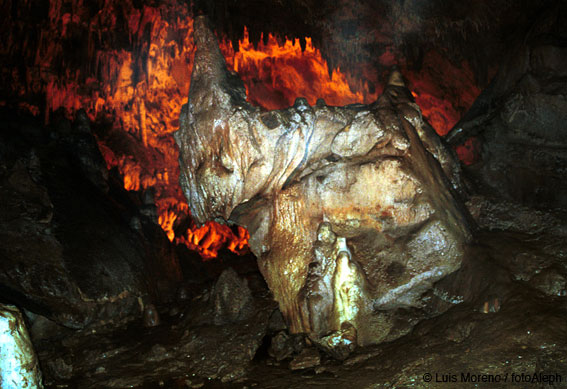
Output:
x,y
19,367
231,298
519,120
352,211
68,250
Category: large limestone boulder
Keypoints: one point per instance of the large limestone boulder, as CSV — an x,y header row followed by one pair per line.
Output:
x,y
352,211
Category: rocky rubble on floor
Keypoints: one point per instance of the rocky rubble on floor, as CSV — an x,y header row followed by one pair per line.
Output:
x,y
307,358
526,334
197,346
284,346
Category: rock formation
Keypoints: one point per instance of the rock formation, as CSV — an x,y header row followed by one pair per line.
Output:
x,y
519,121
353,211
69,251
19,367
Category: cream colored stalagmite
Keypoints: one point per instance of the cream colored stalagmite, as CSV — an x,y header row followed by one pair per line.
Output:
x,y
19,368
353,212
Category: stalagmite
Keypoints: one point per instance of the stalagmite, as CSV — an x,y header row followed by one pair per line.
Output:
x,y
19,368
352,211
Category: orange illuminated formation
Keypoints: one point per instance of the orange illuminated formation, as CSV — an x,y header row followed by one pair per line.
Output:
x,y
469,151
278,72
141,91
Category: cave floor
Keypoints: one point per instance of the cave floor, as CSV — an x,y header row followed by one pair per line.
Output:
x,y
523,332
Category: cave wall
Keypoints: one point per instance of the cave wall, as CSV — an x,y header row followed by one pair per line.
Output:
x,y
75,248
518,122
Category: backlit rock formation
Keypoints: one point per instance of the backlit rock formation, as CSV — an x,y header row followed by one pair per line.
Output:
x,y
352,211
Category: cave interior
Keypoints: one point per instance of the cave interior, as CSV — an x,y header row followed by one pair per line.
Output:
x,y
283,193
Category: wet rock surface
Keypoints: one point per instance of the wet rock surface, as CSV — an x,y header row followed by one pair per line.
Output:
x,y
231,297
19,367
339,344
526,335
519,120
193,347
353,212
504,310
284,345
68,251
308,358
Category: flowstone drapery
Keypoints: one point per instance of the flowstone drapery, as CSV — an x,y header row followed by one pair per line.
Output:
x,y
352,211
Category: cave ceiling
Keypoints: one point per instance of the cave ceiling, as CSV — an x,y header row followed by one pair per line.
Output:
x,y
350,32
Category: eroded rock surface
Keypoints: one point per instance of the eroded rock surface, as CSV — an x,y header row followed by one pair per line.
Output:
x,y
352,211
193,346
67,251
19,367
519,121
231,297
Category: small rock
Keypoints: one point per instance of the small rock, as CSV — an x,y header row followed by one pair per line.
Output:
x,y
276,322
550,282
231,298
339,344
183,293
151,316
308,358
280,347
284,346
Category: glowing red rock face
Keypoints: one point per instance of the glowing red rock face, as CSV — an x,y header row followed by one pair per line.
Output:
x,y
469,151
141,86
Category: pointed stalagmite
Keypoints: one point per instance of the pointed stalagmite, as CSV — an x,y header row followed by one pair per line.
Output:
x,y
352,211
19,367
395,78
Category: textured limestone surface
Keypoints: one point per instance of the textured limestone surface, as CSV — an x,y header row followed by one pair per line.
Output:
x,y
519,121
353,211
231,298
69,251
19,368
